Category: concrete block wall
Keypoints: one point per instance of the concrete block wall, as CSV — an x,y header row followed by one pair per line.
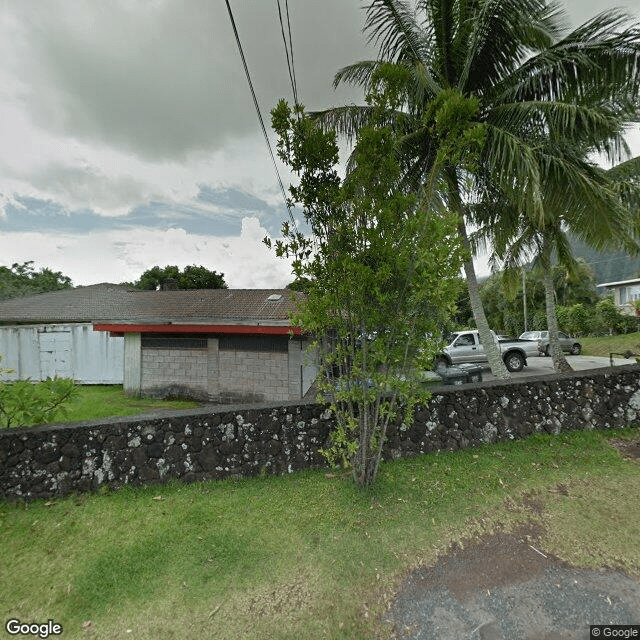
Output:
x,y
225,376
175,369
253,375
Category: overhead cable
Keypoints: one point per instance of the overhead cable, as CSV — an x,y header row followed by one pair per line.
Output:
x,y
288,49
257,106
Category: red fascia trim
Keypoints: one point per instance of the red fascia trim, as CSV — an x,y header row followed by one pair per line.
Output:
x,y
121,329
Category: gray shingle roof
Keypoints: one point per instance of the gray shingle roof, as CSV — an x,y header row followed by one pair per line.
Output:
x,y
109,303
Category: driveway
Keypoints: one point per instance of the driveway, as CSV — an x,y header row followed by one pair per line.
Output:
x,y
542,365
505,587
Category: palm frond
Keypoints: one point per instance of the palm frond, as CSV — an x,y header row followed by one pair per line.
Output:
x,y
513,164
626,183
590,126
597,62
346,121
628,170
358,74
502,33
391,26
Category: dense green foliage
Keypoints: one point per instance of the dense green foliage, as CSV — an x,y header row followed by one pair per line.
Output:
x,y
504,305
24,403
379,273
191,277
580,309
21,279
601,319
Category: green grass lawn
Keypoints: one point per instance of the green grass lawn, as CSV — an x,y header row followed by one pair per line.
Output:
x,y
308,555
105,401
604,345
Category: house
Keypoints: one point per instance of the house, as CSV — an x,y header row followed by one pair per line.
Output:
x,y
625,293
222,345
51,334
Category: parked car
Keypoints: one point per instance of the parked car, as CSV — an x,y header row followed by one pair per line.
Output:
x,y
567,343
465,346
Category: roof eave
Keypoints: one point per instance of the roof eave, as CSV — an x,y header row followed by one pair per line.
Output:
x,y
237,329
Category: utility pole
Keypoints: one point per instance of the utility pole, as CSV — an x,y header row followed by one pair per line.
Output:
x,y
524,297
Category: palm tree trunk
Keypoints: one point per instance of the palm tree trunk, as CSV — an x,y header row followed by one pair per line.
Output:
x,y
491,348
560,363
489,343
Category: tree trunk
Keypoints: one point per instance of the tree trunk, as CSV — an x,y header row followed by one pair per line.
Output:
x,y
560,363
489,343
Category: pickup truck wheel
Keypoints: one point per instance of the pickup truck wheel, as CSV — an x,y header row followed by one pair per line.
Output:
x,y
514,361
440,363
575,349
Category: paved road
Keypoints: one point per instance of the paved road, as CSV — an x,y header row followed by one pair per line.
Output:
x,y
543,365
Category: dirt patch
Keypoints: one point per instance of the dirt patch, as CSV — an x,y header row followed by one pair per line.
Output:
x,y
497,560
504,587
629,449
533,503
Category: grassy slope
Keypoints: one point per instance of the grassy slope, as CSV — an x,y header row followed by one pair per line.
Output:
x,y
304,556
104,401
603,346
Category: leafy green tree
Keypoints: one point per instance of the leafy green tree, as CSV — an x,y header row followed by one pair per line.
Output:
x,y
581,320
24,403
380,276
191,277
300,284
503,302
463,314
608,316
493,73
21,279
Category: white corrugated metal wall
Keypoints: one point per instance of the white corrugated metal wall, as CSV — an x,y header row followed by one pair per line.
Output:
x,y
75,351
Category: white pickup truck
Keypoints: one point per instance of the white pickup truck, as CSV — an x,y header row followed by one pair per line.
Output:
x,y
465,346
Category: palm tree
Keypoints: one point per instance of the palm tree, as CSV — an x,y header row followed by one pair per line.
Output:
x,y
577,197
479,79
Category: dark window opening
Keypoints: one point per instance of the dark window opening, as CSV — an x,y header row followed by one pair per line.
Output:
x,y
278,344
173,341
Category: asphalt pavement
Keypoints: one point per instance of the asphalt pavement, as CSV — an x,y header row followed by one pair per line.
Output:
x,y
543,365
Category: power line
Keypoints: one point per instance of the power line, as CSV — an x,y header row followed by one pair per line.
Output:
x,y
288,49
293,68
257,106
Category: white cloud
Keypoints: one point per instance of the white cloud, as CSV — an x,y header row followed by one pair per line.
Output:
x,y
116,106
122,256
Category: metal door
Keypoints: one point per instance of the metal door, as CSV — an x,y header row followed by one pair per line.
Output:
x,y
55,352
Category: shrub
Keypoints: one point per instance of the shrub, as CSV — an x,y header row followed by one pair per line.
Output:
x,y
24,403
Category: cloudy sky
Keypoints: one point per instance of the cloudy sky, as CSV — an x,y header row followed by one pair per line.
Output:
x,y
128,137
